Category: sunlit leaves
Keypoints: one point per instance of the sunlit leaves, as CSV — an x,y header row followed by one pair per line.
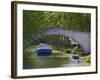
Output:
x,y
35,21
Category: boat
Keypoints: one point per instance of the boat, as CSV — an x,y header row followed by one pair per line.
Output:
x,y
75,56
44,50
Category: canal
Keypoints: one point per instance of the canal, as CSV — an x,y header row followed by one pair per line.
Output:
x,y
31,61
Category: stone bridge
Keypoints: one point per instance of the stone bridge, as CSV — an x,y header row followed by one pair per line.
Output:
x,y
83,38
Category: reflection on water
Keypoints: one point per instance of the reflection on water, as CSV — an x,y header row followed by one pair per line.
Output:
x,y
46,62
50,62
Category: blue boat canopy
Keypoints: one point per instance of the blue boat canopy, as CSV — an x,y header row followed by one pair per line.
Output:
x,y
44,50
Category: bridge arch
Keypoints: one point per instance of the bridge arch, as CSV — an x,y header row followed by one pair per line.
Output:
x,y
83,38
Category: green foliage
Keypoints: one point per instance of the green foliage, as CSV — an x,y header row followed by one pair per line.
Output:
x,y
87,58
68,51
57,41
35,21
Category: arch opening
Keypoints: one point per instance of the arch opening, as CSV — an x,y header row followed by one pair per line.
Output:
x,y
83,38
60,44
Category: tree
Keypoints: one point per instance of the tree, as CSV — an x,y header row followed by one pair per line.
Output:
x,y
36,21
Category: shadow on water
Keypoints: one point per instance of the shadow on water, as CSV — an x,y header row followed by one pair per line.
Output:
x,y
32,61
45,62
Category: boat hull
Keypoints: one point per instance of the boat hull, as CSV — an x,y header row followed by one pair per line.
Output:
x,y
44,52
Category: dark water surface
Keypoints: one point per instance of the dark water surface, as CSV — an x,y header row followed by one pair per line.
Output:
x,y
45,62
32,61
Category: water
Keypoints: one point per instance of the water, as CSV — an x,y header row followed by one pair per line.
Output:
x,y
45,62
51,62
